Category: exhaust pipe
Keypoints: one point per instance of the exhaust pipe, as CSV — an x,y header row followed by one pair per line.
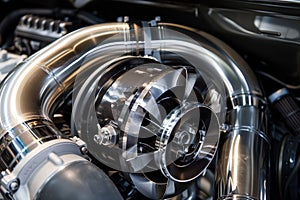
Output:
x,y
30,95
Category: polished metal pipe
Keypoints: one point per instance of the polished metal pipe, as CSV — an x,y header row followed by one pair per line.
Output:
x,y
242,170
30,94
33,90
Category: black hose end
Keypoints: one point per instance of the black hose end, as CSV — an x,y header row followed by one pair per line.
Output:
x,y
284,103
79,181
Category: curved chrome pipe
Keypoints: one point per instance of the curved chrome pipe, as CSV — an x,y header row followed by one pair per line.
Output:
x,y
34,89
30,94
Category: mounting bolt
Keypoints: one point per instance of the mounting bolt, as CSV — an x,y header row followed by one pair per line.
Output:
x,y
84,150
225,128
98,139
3,173
3,55
106,136
14,186
124,19
157,18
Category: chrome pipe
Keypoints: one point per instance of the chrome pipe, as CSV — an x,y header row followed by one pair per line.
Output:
x,y
30,95
243,159
33,153
32,91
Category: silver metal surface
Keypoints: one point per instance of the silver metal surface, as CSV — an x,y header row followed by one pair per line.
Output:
x,y
30,93
23,139
197,147
162,127
39,84
277,95
30,24
243,164
8,61
34,170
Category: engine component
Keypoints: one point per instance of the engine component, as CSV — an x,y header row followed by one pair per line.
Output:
x,y
152,111
8,61
25,31
289,165
265,34
33,32
33,155
182,78
284,103
51,170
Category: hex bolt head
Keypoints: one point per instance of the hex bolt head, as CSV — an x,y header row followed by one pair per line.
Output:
x,y
98,139
106,136
14,186
3,55
84,150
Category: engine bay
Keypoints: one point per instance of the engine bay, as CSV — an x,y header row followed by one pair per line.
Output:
x,y
150,99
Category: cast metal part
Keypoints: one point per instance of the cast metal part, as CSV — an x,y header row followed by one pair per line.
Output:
x,y
50,29
34,170
8,61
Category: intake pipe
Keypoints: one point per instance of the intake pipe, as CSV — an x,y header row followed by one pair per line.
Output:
x,y
37,87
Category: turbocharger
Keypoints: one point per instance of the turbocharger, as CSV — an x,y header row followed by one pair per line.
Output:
x,y
151,101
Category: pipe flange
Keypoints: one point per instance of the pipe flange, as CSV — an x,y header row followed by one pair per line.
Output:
x,y
36,168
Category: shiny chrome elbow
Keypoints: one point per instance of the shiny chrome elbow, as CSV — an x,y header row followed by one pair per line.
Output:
x,y
34,154
31,93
